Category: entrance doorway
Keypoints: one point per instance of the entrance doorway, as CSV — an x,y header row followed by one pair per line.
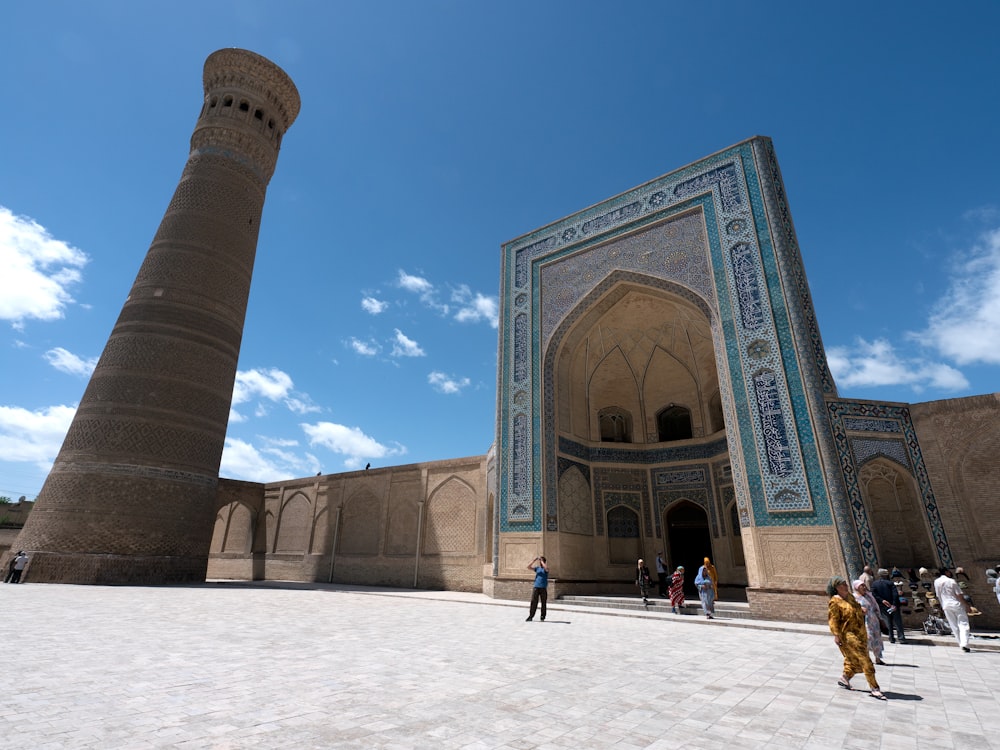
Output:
x,y
688,540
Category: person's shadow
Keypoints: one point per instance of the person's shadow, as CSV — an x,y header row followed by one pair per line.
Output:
x,y
890,696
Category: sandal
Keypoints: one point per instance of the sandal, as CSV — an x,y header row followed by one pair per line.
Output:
x,y
844,683
878,695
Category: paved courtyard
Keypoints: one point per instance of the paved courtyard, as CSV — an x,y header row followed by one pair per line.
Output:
x,y
302,666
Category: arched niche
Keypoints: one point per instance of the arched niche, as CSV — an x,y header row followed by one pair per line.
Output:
x,y
896,515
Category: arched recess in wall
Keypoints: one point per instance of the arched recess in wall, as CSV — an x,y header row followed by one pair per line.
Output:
x,y
897,516
294,524
624,542
634,342
673,422
450,527
240,529
975,479
689,540
360,524
321,531
219,531
576,507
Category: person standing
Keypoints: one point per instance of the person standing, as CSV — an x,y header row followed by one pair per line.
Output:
x,y
954,606
887,596
707,582
677,590
872,623
19,564
540,591
847,623
661,575
642,580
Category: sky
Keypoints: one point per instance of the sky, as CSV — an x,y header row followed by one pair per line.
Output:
x,y
432,132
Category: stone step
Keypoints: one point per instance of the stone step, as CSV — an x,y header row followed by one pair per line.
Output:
x,y
739,610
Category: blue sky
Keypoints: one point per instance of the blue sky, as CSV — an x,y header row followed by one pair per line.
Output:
x,y
430,133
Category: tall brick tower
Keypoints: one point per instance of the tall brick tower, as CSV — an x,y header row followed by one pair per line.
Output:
x,y
131,496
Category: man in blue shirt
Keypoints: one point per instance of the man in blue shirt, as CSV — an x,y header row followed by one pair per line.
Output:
x,y
540,592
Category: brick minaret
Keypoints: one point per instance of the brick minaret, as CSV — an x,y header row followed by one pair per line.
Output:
x,y
131,496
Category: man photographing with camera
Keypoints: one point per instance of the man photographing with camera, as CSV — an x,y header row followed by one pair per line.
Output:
x,y
540,592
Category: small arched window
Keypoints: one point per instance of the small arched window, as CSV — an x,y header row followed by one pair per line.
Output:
x,y
227,102
615,425
674,423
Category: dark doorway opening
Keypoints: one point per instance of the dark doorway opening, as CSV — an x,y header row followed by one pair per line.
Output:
x,y
689,541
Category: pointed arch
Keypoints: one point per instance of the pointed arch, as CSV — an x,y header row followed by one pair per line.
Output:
x,y
294,524
898,522
359,524
624,539
451,519
576,507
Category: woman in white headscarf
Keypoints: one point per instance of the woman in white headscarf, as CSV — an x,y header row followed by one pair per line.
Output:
x,y
870,607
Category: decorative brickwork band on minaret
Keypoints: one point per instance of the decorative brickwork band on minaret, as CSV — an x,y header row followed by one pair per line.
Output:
x,y
131,496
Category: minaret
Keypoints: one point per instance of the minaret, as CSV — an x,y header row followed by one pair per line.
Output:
x,y
131,496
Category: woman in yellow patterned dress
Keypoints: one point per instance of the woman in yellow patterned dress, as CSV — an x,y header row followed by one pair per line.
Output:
x,y
847,623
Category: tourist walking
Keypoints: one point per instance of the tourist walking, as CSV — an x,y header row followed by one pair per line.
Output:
x,y
661,575
642,580
887,596
953,605
677,590
872,621
707,582
18,566
540,591
847,623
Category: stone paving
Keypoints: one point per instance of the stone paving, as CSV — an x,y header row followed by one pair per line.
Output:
x,y
313,666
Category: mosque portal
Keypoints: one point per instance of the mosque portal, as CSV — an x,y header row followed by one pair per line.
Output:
x,y
662,386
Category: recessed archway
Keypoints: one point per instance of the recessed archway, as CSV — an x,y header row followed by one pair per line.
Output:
x,y
688,539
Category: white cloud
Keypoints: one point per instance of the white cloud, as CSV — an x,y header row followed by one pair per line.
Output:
x,y
68,362
416,284
350,442
270,384
965,324
442,383
38,270
302,405
242,460
34,436
475,307
876,363
374,306
364,348
406,347
424,288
